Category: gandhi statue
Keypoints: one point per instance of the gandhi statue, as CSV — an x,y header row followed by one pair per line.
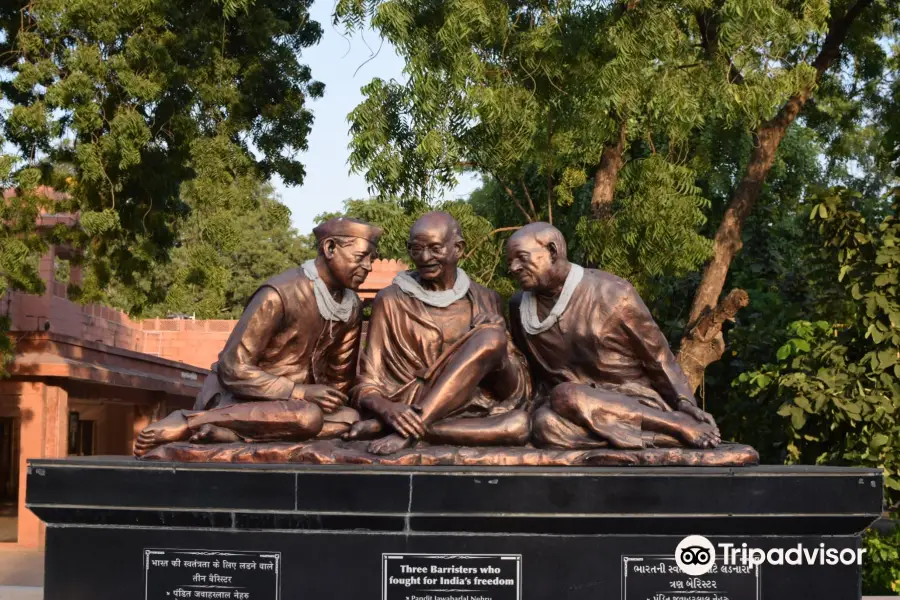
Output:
x,y
439,365
601,365
291,360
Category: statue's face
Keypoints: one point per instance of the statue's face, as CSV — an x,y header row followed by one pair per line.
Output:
x,y
433,250
529,262
350,263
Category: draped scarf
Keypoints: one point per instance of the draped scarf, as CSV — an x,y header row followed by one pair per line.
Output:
x,y
528,310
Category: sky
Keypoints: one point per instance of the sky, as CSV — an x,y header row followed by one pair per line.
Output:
x,y
341,63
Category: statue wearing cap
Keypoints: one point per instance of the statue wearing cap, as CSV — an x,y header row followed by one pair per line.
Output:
x,y
290,361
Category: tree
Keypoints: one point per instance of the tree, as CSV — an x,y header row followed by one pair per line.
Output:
x,y
144,111
552,102
835,382
575,94
846,39
219,261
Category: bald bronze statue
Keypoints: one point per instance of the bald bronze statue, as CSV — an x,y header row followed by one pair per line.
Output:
x,y
290,362
604,373
439,365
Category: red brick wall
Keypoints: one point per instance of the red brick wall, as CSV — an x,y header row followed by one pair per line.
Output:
x,y
91,322
196,343
383,273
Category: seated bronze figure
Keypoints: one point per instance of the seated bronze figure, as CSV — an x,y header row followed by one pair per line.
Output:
x,y
438,363
602,366
289,363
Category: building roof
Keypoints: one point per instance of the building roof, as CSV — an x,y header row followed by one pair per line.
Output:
x,y
383,273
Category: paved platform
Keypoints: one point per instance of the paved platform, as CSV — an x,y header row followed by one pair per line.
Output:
x,y
11,592
21,568
21,574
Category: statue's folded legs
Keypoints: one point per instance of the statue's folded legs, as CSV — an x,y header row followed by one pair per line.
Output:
x,y
272,421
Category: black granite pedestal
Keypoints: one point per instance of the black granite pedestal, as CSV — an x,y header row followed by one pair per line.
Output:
x,y
123,530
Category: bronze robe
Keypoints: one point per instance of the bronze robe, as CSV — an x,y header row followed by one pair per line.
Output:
x,y
605,338
405,349
282,341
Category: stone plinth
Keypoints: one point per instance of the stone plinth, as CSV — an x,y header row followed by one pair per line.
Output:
x,y
117,526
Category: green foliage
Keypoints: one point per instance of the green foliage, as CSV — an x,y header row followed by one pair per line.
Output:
x,y
531,96
547,85
836,384
142,111
219,261
881,566
654,232
658,213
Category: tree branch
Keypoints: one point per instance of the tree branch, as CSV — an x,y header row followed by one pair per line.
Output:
x,y
607,175
709,41
512,196
550,207
838,28
528,196
728,239
711,322
550,171
704,343
488,236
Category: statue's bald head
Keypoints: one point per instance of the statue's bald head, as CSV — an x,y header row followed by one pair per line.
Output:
x,y
544,234
537,256
437,221
436,246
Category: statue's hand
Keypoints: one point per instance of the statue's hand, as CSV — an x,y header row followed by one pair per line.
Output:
x,y
698,413
327,398
404,419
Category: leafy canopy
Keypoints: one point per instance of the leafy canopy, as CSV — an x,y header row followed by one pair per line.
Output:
x,y
533,95
141,112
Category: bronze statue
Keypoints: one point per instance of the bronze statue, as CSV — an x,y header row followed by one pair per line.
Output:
x,y
601,365
439,364
291,360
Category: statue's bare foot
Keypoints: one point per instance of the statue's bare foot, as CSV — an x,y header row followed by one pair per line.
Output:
x,y
332,430
173,428
699,435
211,434
390,444
364,430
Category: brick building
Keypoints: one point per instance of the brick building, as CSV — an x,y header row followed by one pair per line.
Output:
x,y
87,379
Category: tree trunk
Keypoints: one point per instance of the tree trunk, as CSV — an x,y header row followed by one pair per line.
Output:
x,y
695,351
707,344
606,176
728,237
